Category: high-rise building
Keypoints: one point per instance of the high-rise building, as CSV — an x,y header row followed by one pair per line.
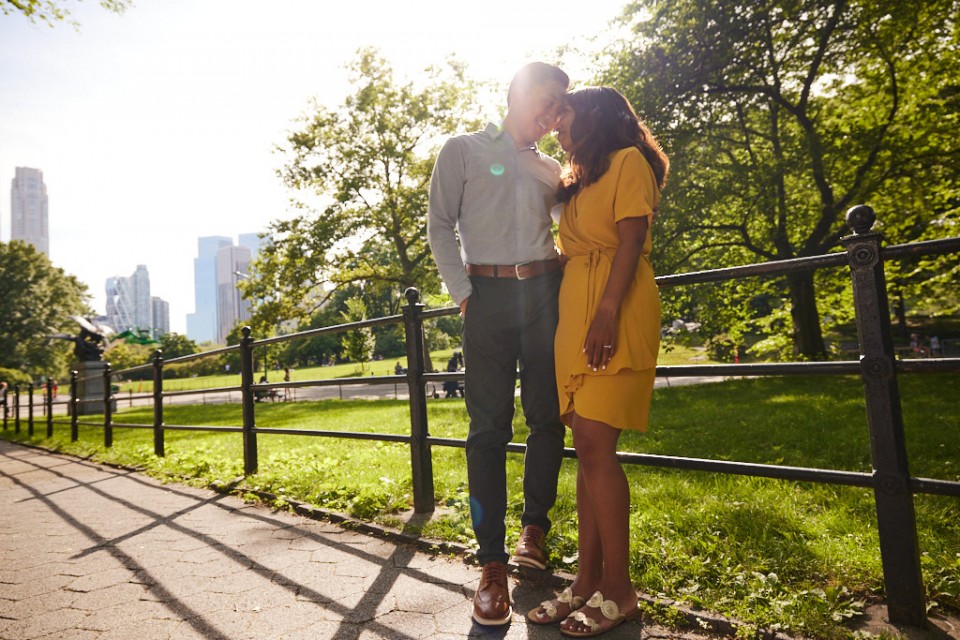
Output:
x,y
161,316
218,267
128,301
251,241
28,209
203,324
233,263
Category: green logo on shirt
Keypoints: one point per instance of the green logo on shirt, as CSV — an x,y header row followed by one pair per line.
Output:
x,y
497,169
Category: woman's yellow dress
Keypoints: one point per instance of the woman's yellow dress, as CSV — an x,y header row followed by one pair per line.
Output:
x,y
620,394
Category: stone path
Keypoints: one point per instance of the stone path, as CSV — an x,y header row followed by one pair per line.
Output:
x,y
94,552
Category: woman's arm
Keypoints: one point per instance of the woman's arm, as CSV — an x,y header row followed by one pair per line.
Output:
x,y
632,233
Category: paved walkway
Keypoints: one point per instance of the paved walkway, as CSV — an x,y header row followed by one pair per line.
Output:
x,y
88,551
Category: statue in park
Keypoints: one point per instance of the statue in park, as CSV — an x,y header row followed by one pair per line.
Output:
x,y
90,342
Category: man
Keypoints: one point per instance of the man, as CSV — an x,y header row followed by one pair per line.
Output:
x,y
493,190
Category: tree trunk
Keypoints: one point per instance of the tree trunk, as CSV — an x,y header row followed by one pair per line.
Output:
x,y
427,360
900,308
807,334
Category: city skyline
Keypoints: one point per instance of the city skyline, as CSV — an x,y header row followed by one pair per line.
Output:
x,y
131,307
159,126
29,209
216,269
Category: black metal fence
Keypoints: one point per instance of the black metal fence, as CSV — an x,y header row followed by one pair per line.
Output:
x,y
892,484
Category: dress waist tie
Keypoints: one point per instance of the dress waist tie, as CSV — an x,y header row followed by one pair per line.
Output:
x,y
593,285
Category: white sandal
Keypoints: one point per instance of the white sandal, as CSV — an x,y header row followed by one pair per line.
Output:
x,y
610,611
550,610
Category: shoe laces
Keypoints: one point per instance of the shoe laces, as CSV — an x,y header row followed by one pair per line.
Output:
x,y
531,536
494,572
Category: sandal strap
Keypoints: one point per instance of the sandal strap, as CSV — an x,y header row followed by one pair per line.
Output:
x,y
586,620
566,597
608,608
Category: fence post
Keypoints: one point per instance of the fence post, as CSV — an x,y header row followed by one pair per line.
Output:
x,y
896,518
158,449
74,406
250,462
30,409
16,408
420,455
107,413
49,403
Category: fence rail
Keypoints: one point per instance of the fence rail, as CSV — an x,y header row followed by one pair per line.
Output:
x,y
892,485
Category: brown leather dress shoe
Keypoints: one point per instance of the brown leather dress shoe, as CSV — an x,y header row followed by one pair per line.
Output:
x,y
491,603
531,550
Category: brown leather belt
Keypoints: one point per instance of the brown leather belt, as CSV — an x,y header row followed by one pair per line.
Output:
x,y
514,271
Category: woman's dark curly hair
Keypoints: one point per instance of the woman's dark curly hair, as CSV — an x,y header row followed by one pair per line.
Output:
x,y
604,122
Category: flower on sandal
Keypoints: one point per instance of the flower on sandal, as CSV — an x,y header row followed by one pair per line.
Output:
x,y
608,608
566,597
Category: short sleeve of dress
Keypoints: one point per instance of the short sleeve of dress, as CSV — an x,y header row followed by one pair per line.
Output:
x,y
637,193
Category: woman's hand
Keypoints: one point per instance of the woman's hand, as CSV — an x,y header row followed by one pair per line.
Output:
x,y
601,340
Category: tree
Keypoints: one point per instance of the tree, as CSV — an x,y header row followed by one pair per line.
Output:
x,y
369,163
50,11
357,344
36,301
779,115
174,345
126,355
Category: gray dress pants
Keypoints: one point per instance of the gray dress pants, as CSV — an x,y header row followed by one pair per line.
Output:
x,y
509,322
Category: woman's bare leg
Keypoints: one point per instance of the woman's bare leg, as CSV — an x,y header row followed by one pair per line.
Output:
x,y
603,496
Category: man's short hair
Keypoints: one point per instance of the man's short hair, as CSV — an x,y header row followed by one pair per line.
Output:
x,y
536,73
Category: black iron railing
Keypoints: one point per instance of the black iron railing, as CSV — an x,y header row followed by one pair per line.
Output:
x,y
890,479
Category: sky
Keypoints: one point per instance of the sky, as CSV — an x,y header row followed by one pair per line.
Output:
x,y
158,126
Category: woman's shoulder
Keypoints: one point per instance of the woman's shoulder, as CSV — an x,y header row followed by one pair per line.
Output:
x,y
627,155
629,160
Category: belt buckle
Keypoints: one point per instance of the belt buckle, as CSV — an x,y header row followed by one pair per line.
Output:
x,y
516,270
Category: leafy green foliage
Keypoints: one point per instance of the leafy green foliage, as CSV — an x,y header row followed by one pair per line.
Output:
x,y
357,343
53,11
175,345
778,116
36,301
365,169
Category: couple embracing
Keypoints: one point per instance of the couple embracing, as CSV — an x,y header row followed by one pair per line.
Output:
x,y
581,318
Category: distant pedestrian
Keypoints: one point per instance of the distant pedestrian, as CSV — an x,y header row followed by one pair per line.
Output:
x,y
55,387
286,378
3,398
934,346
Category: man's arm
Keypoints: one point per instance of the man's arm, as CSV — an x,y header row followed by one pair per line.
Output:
x,y
446,193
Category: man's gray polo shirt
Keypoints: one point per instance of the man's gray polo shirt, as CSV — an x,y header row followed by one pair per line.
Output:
x,y
497,198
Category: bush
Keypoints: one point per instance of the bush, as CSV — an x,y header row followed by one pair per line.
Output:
x,y
14,376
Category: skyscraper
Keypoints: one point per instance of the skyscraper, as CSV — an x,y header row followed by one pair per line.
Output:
x,y
128,301
232,264
28,209
161,316
203,324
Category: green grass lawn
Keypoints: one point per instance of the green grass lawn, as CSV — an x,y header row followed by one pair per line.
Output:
x,y
796,556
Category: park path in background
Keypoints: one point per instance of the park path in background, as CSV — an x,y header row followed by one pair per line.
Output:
x,y
396,391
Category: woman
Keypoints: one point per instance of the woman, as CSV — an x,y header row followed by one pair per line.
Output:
x,y
607,340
